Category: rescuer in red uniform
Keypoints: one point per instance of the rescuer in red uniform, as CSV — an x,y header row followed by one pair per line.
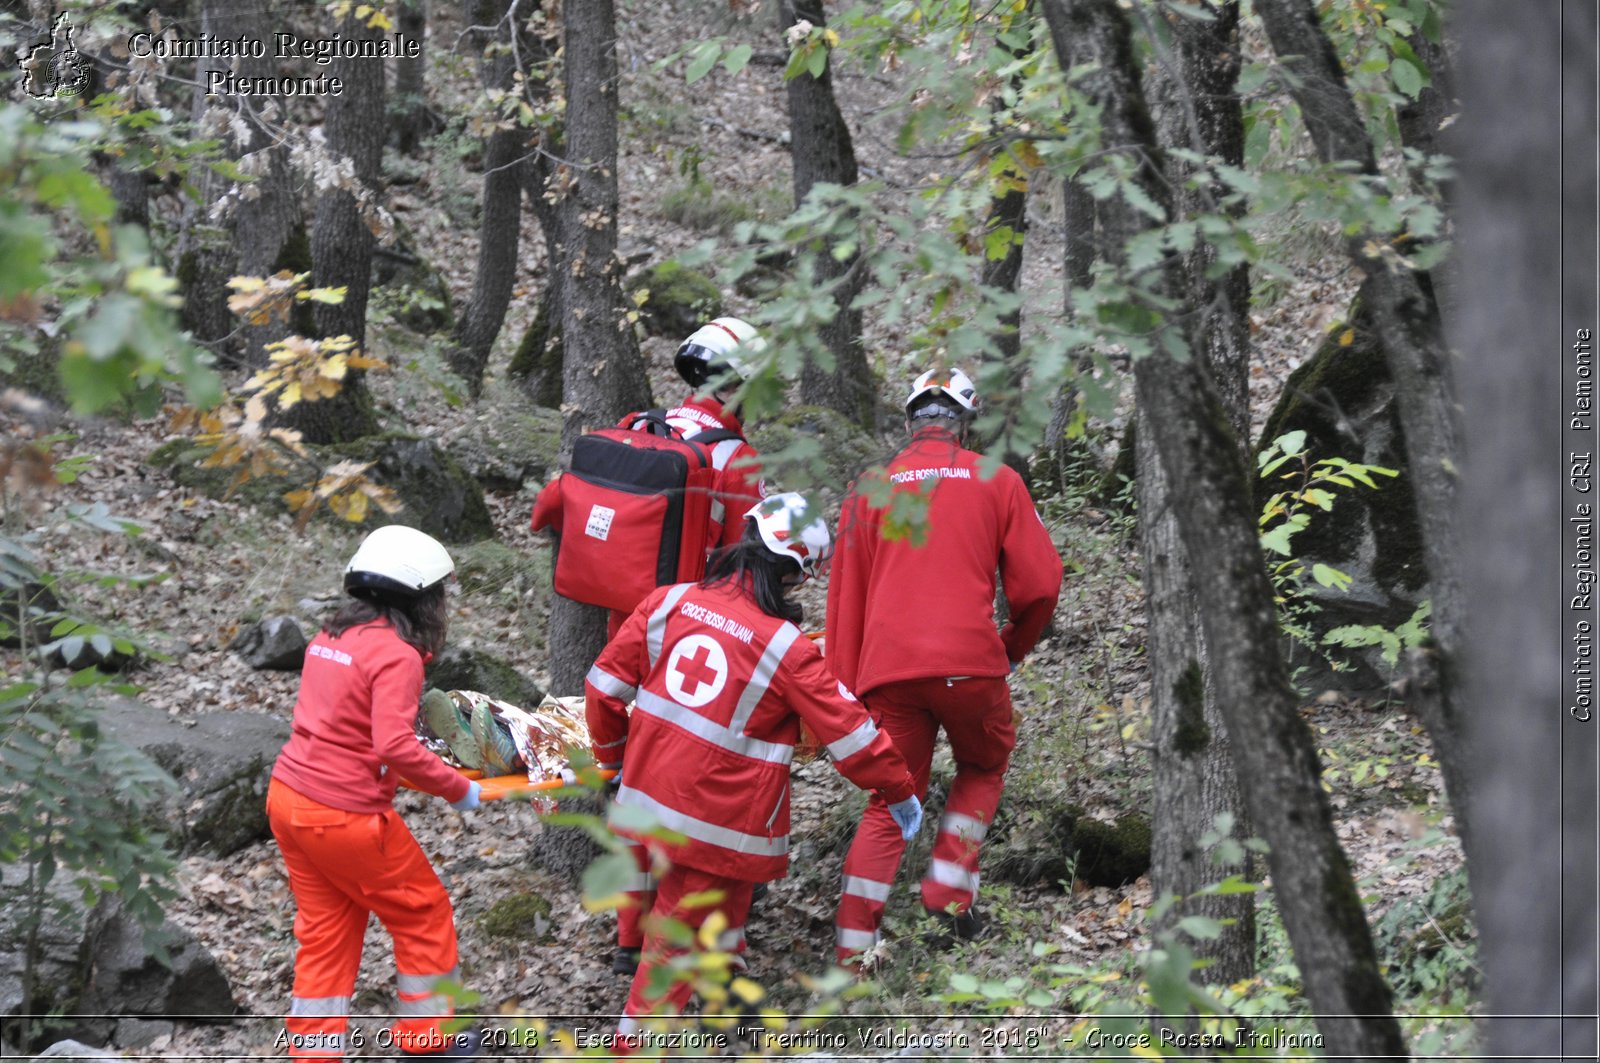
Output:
x,y
330,803
721,354
911,629
721,678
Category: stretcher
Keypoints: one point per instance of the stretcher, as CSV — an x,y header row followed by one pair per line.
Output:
x,y
499,787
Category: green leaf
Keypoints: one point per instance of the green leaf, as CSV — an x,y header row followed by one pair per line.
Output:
x,y
1330,577
705,57
737,59
1292,443
963,983
817,61
608,877
1277,540
1407,78
1202,927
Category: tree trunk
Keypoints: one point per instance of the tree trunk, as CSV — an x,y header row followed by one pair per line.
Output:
x,y
1194,780
341,243
1210,494
501,225
1406,317
821,150
1077,210
540,352
603,375
412,119
1527,228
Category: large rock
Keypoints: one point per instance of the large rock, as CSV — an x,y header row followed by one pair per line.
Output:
x,y
508,442
95,965
465,668
275,644
567,851
221,760
439,496
678,300
436,493
1343,399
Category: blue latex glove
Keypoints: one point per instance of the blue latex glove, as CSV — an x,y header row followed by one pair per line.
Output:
x,y
908,816
471,801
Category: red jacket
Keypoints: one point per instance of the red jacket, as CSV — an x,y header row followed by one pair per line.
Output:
x,y
354,731
721,688
738,485
899,610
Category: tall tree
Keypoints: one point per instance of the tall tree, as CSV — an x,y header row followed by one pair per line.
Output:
x,y
602,373
1078,244
1210,496
1527,226
1195,784
1406,318
822,151
412,118
494,30
341,242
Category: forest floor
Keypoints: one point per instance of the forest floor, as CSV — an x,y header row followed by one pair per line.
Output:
x,y
1083,695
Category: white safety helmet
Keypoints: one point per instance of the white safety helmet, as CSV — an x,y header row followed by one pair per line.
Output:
x,y
398,561
809,546
951,382
714,348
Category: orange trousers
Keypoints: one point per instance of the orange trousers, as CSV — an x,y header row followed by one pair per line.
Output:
x,y
343,867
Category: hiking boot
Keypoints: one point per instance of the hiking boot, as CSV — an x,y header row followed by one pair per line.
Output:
x,y
497,751
448,723
947,929
626,961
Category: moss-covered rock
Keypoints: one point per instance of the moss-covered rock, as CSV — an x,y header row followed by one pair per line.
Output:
x,y
408,289
464,668
523,917
1111,854
508,442
678,299
435,493
1344,400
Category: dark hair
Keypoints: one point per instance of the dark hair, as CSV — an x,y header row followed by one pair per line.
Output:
x,y
420,619
749,560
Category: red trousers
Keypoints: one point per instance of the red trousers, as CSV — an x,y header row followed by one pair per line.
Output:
x,y
976,715
677,885
343,868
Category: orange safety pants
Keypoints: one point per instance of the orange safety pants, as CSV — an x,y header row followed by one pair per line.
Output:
x,y
343,867
976,715
678,884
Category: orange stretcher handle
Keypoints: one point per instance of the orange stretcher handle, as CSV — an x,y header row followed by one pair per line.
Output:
x,y
499,787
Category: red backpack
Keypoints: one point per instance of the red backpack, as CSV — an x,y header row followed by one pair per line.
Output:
x,y
633,512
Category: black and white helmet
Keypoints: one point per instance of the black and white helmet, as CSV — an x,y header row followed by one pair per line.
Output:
x,y
715,348
397,561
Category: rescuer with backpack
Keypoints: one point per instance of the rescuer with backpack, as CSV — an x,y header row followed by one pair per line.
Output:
x,y
643,504
911,629
330,804
721,678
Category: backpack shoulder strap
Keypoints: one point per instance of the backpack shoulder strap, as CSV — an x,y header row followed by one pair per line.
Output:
x,y
652,421
713,436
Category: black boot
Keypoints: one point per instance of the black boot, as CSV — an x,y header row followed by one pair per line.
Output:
x,y
948,929
626,961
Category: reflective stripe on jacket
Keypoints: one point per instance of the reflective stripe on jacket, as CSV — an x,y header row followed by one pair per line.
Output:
x,y
721,688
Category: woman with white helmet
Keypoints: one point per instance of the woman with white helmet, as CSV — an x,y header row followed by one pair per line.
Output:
x,y
330,803
721,678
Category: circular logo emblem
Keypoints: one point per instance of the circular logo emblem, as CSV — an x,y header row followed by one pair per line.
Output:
x,y
697,670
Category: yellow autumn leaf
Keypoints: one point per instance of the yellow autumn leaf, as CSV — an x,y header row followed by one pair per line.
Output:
x,y
831,38
334,368
289,396
747,991
246,284
712,929
356,511
361,361
1347,337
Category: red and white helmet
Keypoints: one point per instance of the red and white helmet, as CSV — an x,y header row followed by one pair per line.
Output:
x,y
714,348
952,382
809,545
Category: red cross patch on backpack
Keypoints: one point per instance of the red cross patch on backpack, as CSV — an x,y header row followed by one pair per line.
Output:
x,y
633,513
